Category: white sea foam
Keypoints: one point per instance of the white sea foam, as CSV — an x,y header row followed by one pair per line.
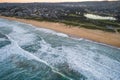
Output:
x,y
52,32
53,56
23,39
91,64
3,39
83,61
14,48
85,58
22,36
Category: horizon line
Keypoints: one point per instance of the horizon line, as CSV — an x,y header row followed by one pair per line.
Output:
x,y
60,2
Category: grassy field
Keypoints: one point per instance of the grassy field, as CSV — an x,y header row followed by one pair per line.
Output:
x,y
80,21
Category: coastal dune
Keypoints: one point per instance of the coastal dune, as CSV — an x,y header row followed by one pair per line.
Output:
x,y
109,38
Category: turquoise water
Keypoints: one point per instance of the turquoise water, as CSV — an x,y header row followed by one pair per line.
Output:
x,y
30,53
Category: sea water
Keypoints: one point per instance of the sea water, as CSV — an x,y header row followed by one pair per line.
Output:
x,y
30,53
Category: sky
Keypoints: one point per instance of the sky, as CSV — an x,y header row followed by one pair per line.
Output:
x,y
50,0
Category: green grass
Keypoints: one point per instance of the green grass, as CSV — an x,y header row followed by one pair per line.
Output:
x,y
81,21
118,30
73,21
73,15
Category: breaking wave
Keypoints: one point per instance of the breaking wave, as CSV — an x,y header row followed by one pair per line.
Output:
x,y
31,53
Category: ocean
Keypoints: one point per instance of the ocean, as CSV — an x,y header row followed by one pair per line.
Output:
x,y
31,53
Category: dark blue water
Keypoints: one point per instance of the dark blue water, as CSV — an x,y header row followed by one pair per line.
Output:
x,y
30,53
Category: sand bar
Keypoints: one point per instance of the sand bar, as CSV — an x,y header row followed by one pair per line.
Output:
x,y
94,35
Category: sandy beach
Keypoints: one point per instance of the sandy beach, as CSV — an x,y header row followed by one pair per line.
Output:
x,y
94,35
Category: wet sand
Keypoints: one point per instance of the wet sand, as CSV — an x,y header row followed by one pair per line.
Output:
x,y
109,38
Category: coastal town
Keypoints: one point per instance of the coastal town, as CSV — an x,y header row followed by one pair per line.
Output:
x,y
59,10
67,13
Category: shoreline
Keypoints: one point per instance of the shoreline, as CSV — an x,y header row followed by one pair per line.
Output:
x,y
108,38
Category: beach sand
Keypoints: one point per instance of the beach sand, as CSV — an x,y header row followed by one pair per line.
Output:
x,y
109,38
